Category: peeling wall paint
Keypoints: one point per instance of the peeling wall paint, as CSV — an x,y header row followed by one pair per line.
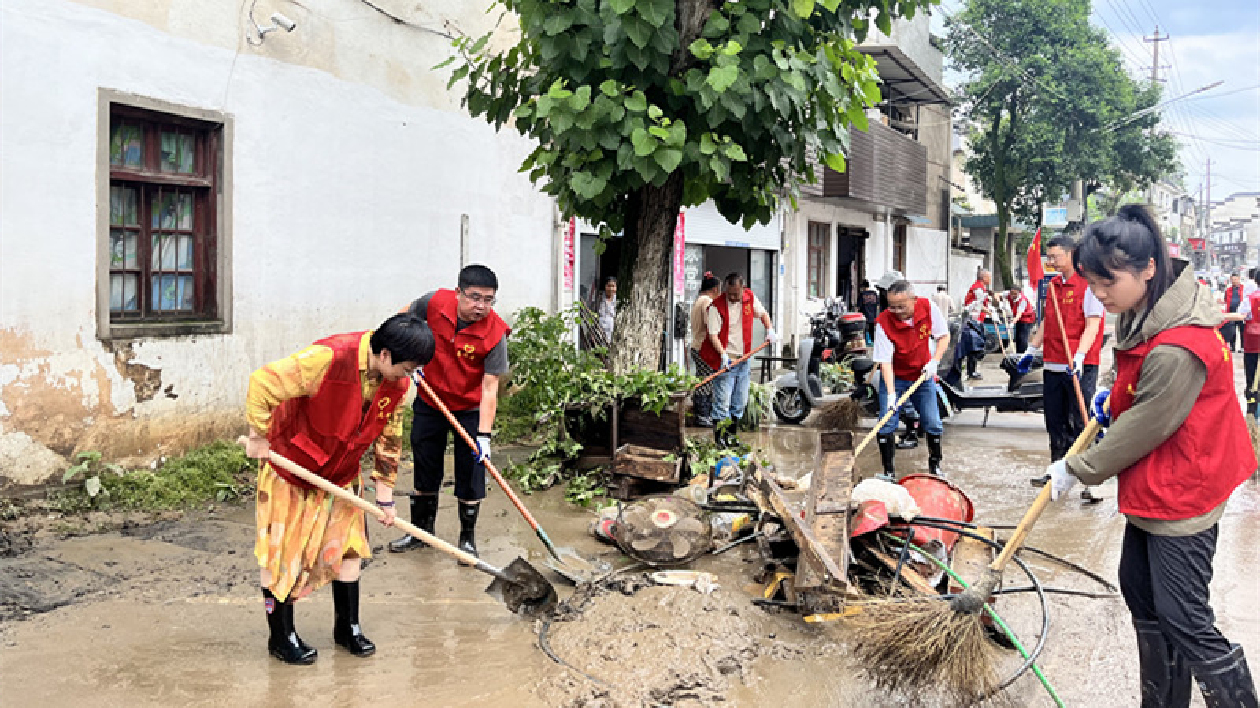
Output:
x,y
351,169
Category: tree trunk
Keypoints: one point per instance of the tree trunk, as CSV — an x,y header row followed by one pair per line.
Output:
x,y
1001,254
644,285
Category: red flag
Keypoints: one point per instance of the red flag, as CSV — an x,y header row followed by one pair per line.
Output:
x,y
1035,270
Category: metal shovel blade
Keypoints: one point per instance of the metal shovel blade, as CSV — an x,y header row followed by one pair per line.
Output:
x,y
523,589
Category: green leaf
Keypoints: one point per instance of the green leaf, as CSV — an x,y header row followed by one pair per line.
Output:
x,y
857,116
643,143
587,185
636,102
659,132
654,112
639,31
720,169
732,48
870,90
557,23
884,22
735,152
558,91
721,77
656,12
836,162
701,49
668,158
479,44
831,5
803,8
609,88
621,7
445,62
707,146
72,472
581,98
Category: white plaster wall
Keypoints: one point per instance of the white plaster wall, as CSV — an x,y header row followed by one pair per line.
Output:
x,y
926,251
795,283
347,191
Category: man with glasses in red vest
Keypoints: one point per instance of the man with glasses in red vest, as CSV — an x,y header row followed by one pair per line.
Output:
x,y
911,336
470,357
730,321
1068,297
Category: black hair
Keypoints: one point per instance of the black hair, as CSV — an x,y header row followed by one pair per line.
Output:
x,y
864,284
1255,274
407,337
609,279
477,276
709,283
941,288
900,286
1063,241
734,279
1127,241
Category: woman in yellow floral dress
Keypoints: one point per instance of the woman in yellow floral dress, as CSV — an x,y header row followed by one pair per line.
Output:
x,y
322,408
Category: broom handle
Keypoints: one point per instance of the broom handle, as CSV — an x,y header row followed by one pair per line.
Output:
x,y
1067,348
1039,504
732,365
309,477
888,415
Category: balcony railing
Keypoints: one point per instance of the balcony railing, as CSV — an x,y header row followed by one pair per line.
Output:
x,y
884,167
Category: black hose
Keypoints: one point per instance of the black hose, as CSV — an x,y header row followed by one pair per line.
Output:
x,y
545,644
901,563
1037,587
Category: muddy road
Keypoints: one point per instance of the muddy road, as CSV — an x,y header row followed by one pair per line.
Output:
x,y
169,613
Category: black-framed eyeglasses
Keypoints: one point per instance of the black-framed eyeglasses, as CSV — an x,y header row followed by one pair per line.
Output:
x,y
487,300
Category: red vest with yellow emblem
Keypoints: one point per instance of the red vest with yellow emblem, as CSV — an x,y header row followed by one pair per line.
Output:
x,y
970,297
1200,465
1251,328
1072,295
328,432
910,339
713,357
1029,315
459,357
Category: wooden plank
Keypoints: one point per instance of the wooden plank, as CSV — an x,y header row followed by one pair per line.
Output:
x,y
647,464
970,557
815,564
829,495
909,575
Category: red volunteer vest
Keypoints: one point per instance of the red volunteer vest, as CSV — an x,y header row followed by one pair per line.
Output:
x,y
1198,467
328,432
1229,292
909,339
1251,328
971,297
713,357
1030,312
459,358
1072,295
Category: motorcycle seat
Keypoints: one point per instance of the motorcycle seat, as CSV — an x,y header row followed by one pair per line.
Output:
x,y
862,366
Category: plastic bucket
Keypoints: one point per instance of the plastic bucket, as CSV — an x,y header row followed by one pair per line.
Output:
x,y
939,498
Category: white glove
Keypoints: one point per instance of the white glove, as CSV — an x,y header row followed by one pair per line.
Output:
x,y
483,448
726,361
1078,363
930,369
772,336
1061,481
1035,351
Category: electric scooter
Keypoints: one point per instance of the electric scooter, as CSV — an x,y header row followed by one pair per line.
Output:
x,y
834,335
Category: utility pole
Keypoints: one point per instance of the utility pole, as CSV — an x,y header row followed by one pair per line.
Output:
x,y
1155,39
1209,247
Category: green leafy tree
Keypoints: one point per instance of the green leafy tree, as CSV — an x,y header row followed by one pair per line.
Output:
x,y
1049,102
641,107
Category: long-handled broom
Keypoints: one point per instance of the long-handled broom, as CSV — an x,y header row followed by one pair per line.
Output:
x,y
921,642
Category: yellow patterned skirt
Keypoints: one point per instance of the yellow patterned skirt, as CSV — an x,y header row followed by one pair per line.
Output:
x,y
303,536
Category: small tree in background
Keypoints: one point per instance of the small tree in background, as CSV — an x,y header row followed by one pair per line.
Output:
x,y
642,107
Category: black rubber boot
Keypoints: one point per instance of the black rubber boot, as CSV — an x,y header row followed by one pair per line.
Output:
x,y
284,643
908,439
467,526
424,516
1226,681
346,630
934,454
1165,676
887,453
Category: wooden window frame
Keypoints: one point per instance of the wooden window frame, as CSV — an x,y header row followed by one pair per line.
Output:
x,y
209,184
899,248
816,269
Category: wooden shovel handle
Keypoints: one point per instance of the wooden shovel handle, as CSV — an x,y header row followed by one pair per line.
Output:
x,y
1039,504
732,365
888,415
306,475
1067,348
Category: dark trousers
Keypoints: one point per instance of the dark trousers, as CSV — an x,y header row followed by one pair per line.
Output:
x,y
972,361
429,433
1022,330
1249,370
1063,411
1231,331
1165,579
